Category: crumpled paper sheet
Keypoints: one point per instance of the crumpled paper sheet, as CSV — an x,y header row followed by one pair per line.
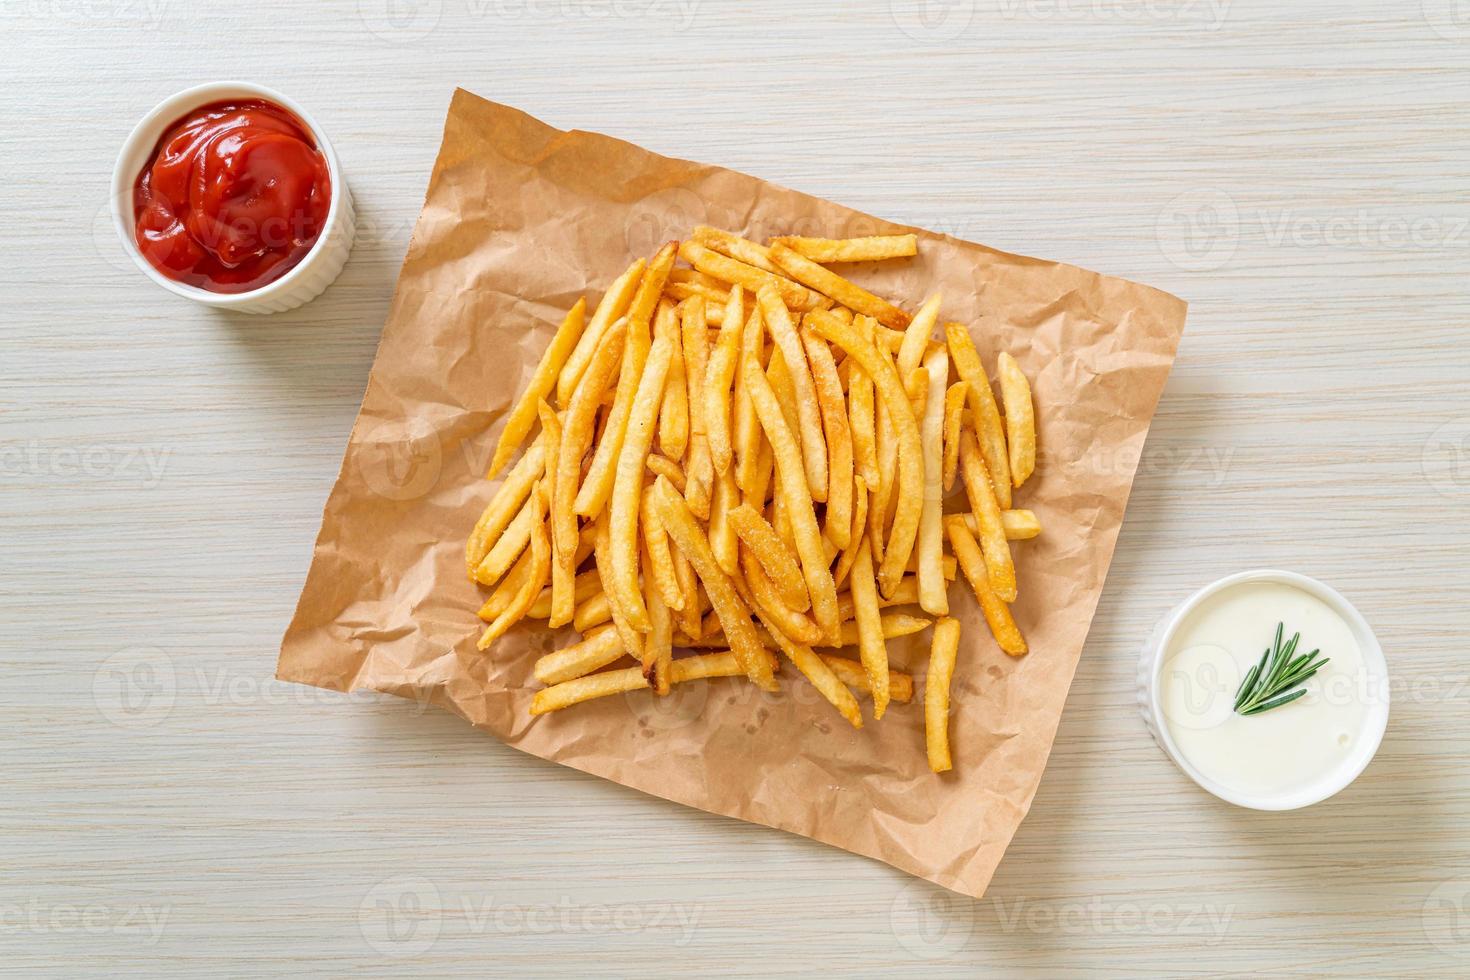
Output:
x,y
520,219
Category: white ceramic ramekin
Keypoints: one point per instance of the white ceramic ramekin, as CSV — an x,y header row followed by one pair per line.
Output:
x,y
311,275
1326,784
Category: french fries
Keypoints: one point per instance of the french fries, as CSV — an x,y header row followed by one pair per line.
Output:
x,y
1015,394
871,249
523,416
696,488
942,654
830,284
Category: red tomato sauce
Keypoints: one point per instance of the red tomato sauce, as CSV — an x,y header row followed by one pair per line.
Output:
x,y
234,196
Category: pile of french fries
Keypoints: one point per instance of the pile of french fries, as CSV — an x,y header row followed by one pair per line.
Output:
x,y
750,456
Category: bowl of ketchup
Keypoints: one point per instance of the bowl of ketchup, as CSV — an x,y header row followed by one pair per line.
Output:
x,y
230,195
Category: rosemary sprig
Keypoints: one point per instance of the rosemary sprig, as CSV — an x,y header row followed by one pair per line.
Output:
x,y
1265,684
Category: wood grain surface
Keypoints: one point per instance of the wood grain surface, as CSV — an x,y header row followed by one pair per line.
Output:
x,y
1298,172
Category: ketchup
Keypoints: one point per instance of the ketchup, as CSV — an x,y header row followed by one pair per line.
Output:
x,y
234,196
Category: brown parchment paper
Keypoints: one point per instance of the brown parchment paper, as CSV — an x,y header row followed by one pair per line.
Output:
x,y
519,220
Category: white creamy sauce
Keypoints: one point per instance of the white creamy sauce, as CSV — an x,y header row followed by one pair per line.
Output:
x,y
1283,748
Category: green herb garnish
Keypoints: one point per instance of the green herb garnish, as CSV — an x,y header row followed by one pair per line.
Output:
x,y
1276,673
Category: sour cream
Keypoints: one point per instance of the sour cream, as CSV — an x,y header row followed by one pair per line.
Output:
x,y
1289,755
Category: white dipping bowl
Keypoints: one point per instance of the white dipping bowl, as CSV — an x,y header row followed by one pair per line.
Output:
x,y
314,273
1325,784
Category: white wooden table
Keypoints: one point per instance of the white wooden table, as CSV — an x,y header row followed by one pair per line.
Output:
x,y
1297,171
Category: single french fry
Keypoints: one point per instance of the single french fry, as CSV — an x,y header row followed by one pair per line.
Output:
x,y
792,485
540,569
879,508
933,590
719,375
696,362
658,646
983,411
838,519
1019,524
658,572
997,613
684,291
916,386
673,413
691,610
610,682
612,308
699,467
775,558
733,614
523,416
563,572
829,283
584,586
736,247
591,654
577,433
593,611
942,654
767,604
852,673
907,593
954,409
808,411
873,248
857,535
998,562
663,466
631,638
515,539
910,502
745,430
916,337
871,647
504,505
696,277
892,627
733,271
628,486
597,483
722,539
860,414
509,587
1015,393
822,678
586,688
